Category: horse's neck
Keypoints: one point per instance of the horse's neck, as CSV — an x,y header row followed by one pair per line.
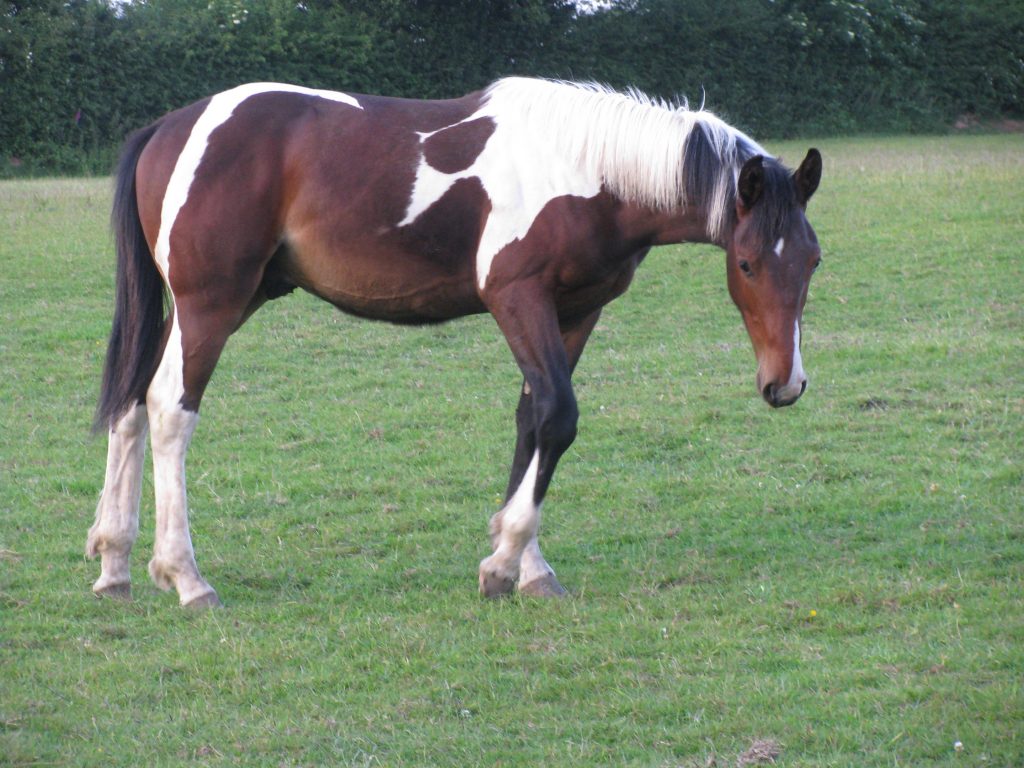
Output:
x,y
665,227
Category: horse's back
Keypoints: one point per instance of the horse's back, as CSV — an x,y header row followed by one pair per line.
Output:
x,y
345,143
321,182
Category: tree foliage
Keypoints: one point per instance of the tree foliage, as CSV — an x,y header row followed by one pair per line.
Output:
x,y
76,75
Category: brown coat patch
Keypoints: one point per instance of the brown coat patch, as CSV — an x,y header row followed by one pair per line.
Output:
x,y
457,148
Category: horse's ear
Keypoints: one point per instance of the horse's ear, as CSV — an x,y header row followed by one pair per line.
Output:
x,y
807,176
750,185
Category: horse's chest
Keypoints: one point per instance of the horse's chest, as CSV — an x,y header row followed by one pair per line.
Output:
x,y
583,295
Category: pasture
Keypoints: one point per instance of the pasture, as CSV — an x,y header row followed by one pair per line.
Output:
x,y
841,581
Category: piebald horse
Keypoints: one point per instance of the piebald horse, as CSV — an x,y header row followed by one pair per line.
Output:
x,y
532,200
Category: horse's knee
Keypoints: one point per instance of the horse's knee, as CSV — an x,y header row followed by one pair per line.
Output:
x,y
557,419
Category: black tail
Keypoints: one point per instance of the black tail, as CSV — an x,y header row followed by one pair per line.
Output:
x,y
139,305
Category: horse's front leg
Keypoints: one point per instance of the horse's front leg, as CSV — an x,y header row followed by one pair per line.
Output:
x,y
547,412
536,577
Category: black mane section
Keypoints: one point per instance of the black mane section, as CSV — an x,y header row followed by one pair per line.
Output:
x,y
710,178
702,167
774,212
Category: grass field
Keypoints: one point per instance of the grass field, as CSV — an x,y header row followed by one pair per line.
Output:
x,y
842,580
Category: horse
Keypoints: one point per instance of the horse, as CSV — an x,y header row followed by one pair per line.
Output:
x,y
533,200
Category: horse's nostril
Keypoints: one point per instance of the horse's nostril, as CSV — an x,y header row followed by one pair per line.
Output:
x,y
769,393
803,386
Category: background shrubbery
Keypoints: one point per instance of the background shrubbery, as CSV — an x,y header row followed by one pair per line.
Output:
x,y
76,75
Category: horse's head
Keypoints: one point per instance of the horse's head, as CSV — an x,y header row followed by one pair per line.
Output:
x,y
772,252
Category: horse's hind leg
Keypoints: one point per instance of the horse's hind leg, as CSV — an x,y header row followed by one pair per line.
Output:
x,y
200,328
117,514
171,426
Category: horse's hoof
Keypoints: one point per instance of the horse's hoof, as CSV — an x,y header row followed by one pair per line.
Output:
x,y
121,591
544,586
493,584
203,602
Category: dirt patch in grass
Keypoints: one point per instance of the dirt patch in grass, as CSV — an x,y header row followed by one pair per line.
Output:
x,y
761,752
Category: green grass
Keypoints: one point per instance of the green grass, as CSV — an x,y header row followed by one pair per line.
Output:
x,y
343,474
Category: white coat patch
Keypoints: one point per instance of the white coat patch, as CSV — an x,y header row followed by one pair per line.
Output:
x,y
217,112
519,173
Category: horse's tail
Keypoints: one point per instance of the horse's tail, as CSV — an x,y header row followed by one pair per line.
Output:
x,y
140,297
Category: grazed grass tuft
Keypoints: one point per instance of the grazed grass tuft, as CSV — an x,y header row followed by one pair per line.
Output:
x,y
841,580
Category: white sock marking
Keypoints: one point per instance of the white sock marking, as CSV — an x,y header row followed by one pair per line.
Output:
x,y
117,513
519,522
171,428
521,512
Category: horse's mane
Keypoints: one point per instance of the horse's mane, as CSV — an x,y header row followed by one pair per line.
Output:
x,y
645,150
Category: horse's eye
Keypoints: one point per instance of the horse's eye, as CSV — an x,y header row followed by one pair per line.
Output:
x,y
745,267
815,265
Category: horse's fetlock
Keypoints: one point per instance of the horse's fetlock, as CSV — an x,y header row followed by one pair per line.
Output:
x,y
101,541
92,546
519,529
495,527
499,568
162,573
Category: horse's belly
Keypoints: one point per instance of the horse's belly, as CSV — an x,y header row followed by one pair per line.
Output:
x,y
384,284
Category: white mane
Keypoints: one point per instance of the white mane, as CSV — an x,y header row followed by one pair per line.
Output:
x,y
639,147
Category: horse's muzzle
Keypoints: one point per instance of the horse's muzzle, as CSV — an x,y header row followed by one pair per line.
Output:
x,y
779,396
